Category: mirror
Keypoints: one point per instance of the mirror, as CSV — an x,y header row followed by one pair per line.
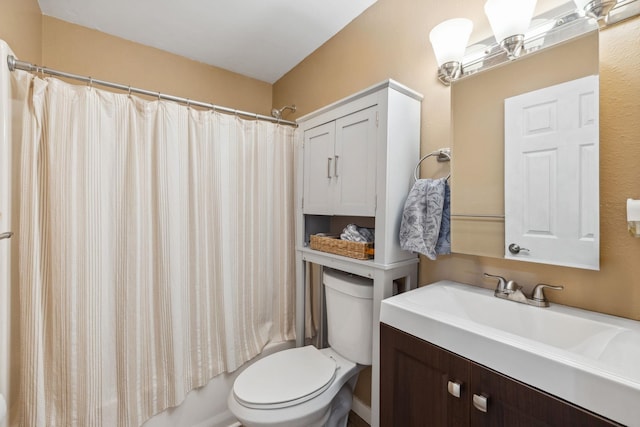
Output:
x,y
477,180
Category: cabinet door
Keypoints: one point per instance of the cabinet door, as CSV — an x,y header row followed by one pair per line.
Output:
x,y
511,403
319,169
414,377
355,164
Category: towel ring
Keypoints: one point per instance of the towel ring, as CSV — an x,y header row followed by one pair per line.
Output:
x,y
444,155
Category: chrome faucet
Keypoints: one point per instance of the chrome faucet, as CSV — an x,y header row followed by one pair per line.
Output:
x,y
502,284
538,299
511,291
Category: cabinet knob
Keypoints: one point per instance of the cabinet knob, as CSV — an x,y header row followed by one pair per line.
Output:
x,y
335,166
480,402
329,167
454,387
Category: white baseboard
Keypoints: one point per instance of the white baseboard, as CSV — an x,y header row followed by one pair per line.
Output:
x,y
361,409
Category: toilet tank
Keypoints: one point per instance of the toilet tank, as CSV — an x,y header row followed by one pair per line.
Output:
x,y
349,301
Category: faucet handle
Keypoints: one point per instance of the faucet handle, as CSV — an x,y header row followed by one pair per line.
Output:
x,y
538,292
511,287
502,283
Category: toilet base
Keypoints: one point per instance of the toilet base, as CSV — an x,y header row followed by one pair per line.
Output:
x,y
340,408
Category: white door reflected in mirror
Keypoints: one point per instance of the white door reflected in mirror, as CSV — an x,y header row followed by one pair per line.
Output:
x,y
551,175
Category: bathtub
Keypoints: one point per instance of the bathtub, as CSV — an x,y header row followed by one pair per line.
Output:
x,y
207,406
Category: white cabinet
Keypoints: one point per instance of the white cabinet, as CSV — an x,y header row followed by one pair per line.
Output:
x,y
355,164
356,160
339,166
318,176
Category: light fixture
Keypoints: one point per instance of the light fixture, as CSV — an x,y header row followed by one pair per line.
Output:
x,y
598,9
449,40
509,21
534,37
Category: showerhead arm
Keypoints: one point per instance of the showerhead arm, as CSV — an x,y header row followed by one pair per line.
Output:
x,y
277,113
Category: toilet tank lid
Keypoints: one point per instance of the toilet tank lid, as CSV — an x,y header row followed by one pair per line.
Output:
x,y
285,378
350,284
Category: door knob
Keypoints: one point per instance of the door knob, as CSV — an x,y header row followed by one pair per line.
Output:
x,y
515,249
6,235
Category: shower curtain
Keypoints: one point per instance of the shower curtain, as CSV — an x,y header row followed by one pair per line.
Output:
x,y
155,251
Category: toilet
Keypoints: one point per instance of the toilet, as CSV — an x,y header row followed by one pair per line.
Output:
x,y
304,386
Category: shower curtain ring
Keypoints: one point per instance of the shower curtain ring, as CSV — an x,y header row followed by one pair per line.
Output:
x,y
188,103
159,99
90,82
129,91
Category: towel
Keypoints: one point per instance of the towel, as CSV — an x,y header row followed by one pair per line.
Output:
x,y
443,246
422,217
354,233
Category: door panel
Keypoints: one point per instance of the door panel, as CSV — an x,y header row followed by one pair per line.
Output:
x,y
540,193
551,174
318,170
514,404
355,153
414,377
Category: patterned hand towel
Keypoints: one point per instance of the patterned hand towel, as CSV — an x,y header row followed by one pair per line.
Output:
x,y
422,217
443,247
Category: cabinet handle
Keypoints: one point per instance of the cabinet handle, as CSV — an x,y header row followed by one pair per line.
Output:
x,y
480,402
335,166
454,387
329,167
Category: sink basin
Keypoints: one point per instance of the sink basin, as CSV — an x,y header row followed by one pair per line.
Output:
x,y
587,358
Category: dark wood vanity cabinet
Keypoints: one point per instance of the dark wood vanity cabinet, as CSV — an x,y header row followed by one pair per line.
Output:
x,y
413,382
414,391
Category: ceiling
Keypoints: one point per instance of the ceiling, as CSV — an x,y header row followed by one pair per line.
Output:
x,y
262,39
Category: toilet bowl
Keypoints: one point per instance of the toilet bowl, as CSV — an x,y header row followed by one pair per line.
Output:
x,y
307,387
276,394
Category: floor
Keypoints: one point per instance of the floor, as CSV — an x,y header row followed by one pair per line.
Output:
x,y
356,421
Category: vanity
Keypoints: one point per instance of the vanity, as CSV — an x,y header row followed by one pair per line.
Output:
x,y
454,354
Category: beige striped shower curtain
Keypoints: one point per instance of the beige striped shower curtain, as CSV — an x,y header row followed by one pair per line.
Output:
x,y
155,251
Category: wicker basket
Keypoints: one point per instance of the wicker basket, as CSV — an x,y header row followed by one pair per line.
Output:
x,y
335,245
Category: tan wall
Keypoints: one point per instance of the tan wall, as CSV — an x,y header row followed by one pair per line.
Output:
x,y
44,40
21,28
88,52
390,40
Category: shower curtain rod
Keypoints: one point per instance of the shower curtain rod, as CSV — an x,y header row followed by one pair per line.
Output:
x,y
15,64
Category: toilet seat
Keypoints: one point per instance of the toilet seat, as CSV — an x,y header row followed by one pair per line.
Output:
x,y
284,379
